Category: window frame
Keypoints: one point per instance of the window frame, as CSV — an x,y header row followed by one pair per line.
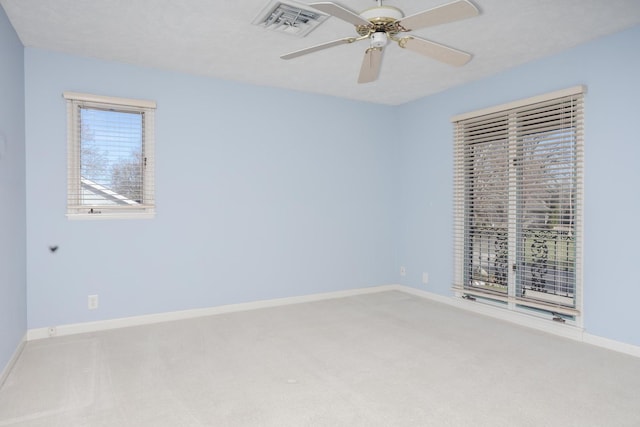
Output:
x,y
75,210
510,300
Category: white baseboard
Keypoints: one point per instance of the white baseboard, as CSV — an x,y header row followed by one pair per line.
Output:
x,y
563,330
80,328
12,361
610,344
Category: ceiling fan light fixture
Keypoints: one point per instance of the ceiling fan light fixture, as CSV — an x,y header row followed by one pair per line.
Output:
x,y
379,39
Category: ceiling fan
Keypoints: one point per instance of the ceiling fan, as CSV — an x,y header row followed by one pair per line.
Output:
x,y
383,23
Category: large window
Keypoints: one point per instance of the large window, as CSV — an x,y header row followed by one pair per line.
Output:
x,y
110,157
518,203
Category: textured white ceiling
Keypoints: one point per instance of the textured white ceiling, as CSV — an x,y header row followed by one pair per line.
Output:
x,y
217,38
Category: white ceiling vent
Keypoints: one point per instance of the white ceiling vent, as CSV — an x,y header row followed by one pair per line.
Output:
x,y
289,18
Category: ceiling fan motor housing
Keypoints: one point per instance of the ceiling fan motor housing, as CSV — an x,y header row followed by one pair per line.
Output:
x,y
383,13
383,19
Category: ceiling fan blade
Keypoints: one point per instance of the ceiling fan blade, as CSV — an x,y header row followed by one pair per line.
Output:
x,y
370,65
434,50
340,12
449,12
318,47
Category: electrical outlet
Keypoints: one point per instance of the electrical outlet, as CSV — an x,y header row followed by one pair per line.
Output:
x,y
92,302
403,271
52,331
425,278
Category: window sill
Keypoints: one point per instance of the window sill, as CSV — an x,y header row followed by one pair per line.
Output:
x,y
107,216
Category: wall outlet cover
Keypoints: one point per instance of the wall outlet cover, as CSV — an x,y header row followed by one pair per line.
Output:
x,y
92,302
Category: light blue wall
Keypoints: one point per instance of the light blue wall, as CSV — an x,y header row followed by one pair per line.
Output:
x,y
610,67
13,282
261,193
266,193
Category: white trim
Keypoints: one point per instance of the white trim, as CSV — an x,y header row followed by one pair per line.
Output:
x,y
620,347
79,328
12,361
575,90
563,330
101,99
123,215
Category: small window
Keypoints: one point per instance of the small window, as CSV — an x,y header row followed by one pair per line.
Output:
x,y
110,143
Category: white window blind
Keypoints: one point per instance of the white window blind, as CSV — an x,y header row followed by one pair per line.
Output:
x,y
518,201
110,157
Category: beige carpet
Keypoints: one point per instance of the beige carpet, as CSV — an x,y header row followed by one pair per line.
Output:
x,y
384,359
